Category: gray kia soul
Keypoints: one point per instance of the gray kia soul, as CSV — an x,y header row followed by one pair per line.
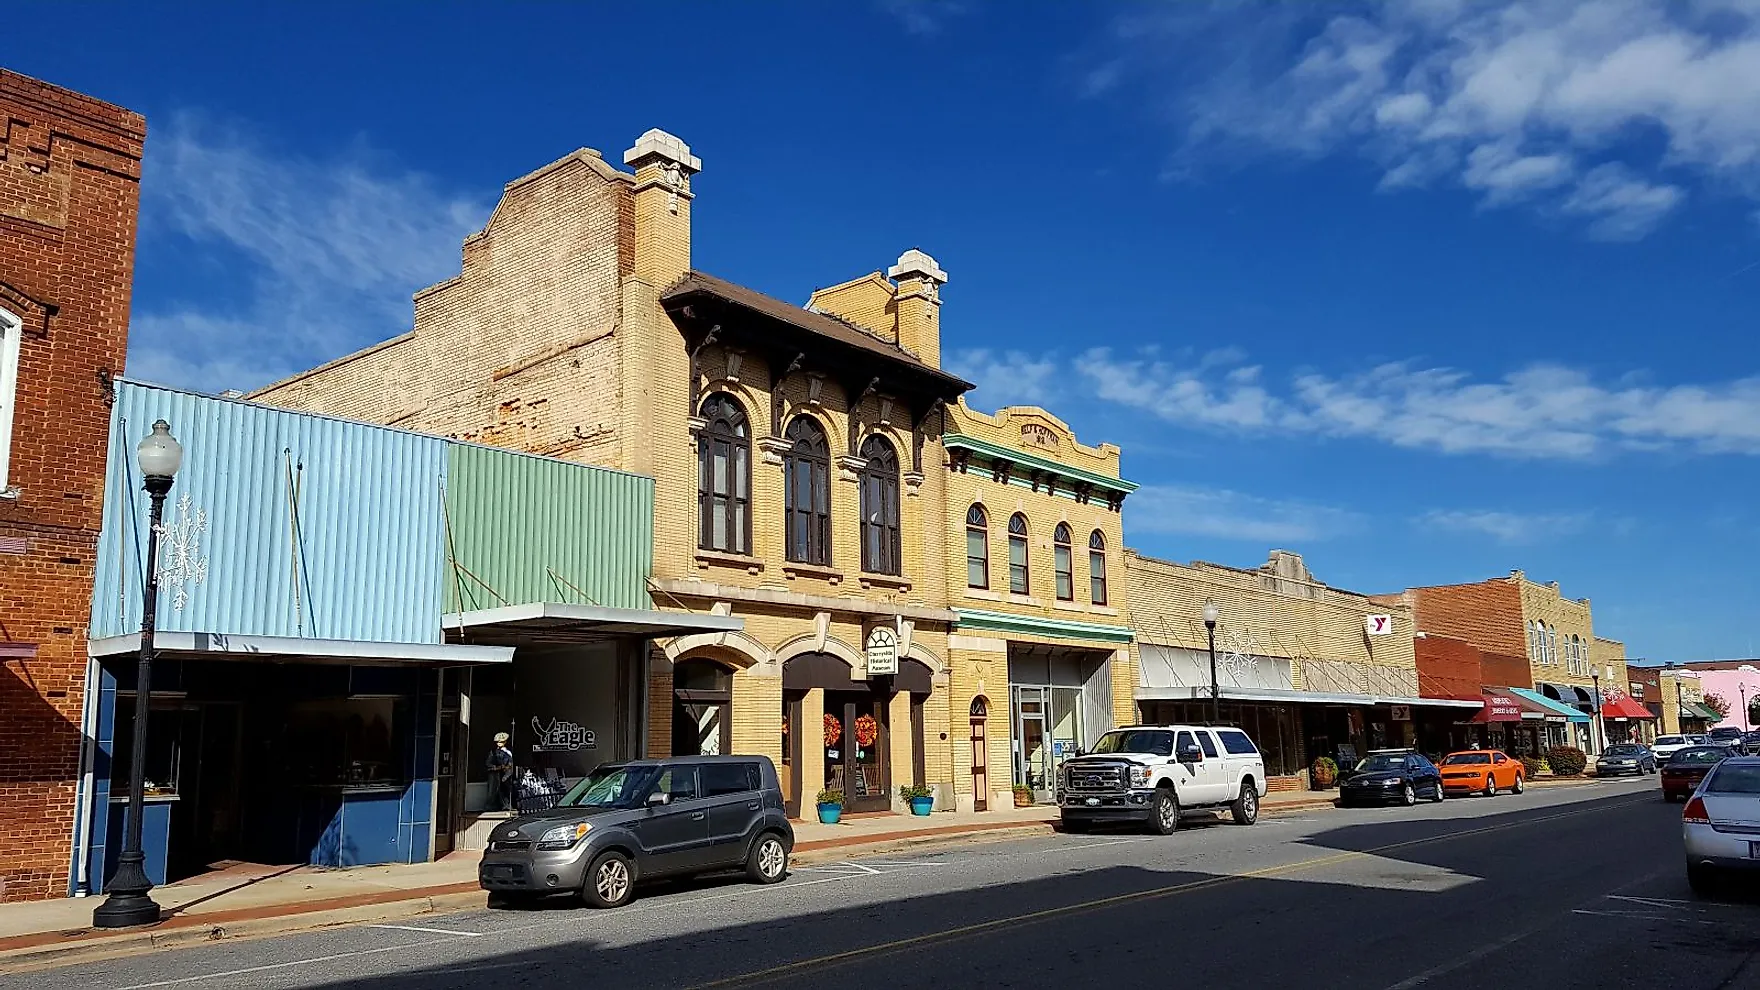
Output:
x,y
629,822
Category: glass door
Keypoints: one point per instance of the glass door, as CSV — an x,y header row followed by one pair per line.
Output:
x,y
1066,728
1032,749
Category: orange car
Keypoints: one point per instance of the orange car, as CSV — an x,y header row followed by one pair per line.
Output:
x,y
1481,771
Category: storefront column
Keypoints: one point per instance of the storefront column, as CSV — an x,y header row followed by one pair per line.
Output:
x,y
812,747
757,715
902,747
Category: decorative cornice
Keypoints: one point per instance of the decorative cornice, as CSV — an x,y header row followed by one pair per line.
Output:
x,y
959,442
1006,622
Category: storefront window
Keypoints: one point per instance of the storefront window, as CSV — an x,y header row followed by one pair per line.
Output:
x,y
165,743
349,742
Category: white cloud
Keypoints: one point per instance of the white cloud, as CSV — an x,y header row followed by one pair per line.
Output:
x,y
1004,378
1598,109
331,250
924,17
1541,411
1505,527
1231,515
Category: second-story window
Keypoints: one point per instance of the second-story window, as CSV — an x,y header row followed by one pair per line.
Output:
x,y
807,470
1097,567
977,548
1063,563
881,548
11,334
724,478
1017,554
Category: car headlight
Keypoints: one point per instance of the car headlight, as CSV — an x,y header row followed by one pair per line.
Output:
x,y
1139,776
564,836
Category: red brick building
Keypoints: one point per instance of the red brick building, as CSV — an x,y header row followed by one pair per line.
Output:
x,y
69,197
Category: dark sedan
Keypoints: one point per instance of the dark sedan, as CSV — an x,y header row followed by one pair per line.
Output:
x,y
1683,771
1625,758
1391,777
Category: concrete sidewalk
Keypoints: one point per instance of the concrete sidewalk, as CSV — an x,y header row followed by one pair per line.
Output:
x,y
250,899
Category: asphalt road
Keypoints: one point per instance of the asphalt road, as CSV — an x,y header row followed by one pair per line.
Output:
x,y
1557,888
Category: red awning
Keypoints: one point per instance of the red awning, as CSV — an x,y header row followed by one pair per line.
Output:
x,y
1499,707
1624,707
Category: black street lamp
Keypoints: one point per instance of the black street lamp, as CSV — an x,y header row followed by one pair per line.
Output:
x,y
1600,739
129,903
1215,694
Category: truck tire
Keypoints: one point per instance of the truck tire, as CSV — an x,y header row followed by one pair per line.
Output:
x,y
1245,809
1164,811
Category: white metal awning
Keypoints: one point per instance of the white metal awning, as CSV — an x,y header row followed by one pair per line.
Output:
x,y
1202,693
556,622
293,649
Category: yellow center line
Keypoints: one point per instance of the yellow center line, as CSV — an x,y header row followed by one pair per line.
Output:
x,y
836,958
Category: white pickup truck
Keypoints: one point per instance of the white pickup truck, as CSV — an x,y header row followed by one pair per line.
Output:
x,y
1153,774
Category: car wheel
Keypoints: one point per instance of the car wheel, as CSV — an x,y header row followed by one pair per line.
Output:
x,y
1439,793
1703,880
1245,809
1409,796
1490,786
1519,786
768,860
610,881
1164,813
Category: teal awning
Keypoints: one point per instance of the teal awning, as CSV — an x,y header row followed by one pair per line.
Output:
x,y
1558,708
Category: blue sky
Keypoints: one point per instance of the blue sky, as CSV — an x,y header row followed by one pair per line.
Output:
x,y
1426,292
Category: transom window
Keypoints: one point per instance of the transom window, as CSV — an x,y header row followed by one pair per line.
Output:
x,y
11,332
977,548
807,470
724,478
880,538
1063,563
1097,567
1017,554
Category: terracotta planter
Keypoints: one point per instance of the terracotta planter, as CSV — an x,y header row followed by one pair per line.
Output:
x,y
1023,800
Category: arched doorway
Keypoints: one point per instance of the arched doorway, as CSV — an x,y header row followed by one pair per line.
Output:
x,y
849,747
702,708
980,715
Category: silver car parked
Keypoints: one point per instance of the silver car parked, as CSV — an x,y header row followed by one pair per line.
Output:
x,y
1720,826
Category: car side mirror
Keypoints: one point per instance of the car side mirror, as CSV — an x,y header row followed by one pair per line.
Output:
x,y
1191,754
659,799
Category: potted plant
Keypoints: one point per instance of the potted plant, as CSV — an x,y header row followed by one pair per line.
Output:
x,y
830,806
920,798
1324,772
1023,796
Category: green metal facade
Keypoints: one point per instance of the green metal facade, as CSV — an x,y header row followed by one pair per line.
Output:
x,y
523,529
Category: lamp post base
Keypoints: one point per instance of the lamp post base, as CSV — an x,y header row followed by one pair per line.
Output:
x,y
126,911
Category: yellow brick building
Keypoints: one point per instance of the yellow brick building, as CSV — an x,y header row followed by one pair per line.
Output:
x,y
1561,645
1307,669
803,459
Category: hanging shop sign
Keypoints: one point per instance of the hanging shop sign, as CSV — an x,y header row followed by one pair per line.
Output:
x,y
1402,713
882,651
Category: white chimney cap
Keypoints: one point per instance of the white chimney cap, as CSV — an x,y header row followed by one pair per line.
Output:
x,y
915,262
657,142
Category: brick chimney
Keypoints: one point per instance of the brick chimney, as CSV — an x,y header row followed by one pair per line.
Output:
x,y
919,281
664,166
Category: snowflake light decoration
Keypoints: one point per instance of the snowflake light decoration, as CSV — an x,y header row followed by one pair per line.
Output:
x,y
1238,655
182,564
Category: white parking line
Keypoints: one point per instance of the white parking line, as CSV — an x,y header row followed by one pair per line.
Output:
x,y
429,931
205,977
1454,964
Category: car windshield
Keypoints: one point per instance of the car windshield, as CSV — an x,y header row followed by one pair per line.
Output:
x,y
1383,761
1465,759
1671,741
1152,741
1626,749
1735,779
1697,756
1725,732
1697,740
611,787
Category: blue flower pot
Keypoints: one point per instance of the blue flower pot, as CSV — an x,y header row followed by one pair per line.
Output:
x,y
830,813
922,805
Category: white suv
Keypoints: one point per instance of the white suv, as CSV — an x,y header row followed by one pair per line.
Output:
x,y
1152,774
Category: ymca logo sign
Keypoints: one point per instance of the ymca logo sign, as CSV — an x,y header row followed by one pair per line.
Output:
x,y
1378,625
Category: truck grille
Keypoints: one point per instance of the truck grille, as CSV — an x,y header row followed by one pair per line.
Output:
x,y
1096,778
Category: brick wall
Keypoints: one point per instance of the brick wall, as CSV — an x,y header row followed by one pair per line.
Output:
x,y
69,197
1487,615
1448,667
1505,669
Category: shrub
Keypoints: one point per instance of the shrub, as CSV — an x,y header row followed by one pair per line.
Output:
x,y
1324,772
908,791
831,795
1566,761
1534,766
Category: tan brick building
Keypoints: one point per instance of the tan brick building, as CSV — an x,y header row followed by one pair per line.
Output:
x,y
803,479
69,197
1309,670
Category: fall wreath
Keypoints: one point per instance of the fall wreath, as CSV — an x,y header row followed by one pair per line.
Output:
x,y
867,730
833,730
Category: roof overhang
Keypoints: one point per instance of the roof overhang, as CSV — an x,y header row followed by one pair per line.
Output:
x,y
292,649
561,624
1202,693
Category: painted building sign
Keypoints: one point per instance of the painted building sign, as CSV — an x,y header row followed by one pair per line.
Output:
x,y
561,737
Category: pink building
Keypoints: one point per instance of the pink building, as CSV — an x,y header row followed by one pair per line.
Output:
x,y
1737,682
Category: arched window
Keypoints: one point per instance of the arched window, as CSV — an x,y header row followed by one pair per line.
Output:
x,y
807,470
880,541
1063,563
1097,567
977,547
1552,644
1017,555
11,333
724,477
